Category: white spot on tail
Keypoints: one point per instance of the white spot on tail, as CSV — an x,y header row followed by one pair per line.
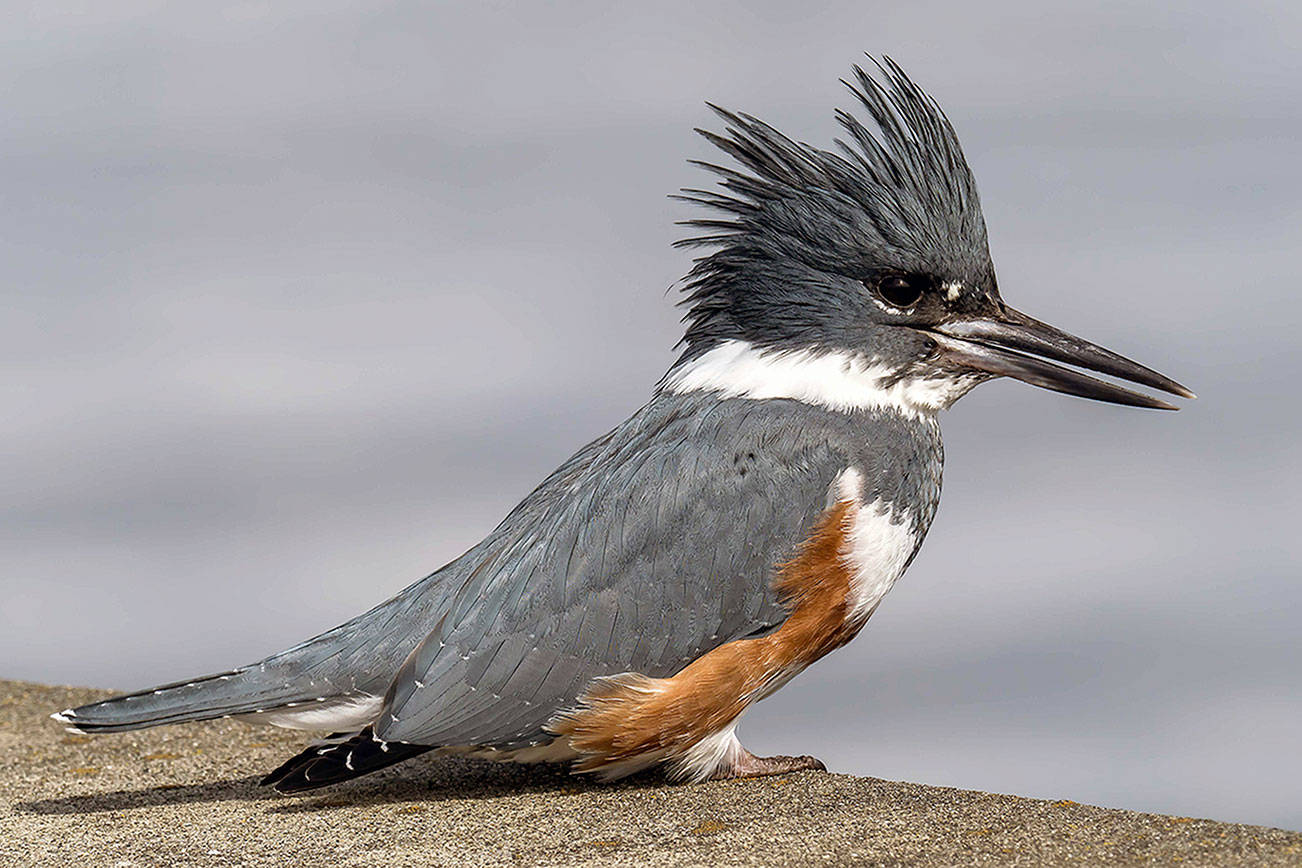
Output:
x,y
330,714
66,718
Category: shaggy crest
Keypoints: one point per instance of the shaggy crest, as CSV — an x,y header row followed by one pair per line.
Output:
x,y
898,197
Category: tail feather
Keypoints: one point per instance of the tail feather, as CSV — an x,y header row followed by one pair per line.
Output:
x,y
332,682
226,694
323,765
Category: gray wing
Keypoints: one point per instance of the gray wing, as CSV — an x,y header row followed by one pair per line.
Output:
x,y
649,548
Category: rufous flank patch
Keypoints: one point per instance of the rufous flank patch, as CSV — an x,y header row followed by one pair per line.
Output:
x,y
628,716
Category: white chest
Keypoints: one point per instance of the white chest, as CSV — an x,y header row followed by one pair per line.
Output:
x,y
879,543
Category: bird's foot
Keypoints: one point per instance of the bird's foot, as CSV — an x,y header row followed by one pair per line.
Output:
x,y
747,765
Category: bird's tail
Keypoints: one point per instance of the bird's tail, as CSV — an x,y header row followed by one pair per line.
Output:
x,y
323,765
332,683
253,690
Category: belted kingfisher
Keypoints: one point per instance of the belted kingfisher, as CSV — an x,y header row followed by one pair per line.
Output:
x,y
742,524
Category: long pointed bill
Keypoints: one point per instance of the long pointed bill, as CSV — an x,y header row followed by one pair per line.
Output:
x,y
1017,346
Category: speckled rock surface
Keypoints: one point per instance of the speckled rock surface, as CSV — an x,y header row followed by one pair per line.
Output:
x,y
189,796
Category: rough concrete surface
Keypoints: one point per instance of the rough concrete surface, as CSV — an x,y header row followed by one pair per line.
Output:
x,y
188,795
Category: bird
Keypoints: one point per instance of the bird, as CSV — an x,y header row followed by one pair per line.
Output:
x,y
743,523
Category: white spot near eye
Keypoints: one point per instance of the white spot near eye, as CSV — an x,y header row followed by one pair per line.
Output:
x,y
953,290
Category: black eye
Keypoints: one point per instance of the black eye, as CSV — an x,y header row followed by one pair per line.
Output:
x,y
899,292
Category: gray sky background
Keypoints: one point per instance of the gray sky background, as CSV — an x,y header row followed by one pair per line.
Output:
x,y
300,298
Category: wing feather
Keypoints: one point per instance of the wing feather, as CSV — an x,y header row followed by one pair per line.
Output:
x,y
646,550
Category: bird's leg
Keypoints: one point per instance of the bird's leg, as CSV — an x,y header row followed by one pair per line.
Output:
x,y
747,765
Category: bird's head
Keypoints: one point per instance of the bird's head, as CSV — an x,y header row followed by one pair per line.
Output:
x,y
864,276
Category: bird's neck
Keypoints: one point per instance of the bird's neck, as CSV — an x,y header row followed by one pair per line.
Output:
x,y
833,379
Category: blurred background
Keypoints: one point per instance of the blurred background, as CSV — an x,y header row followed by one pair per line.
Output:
x,y
301,298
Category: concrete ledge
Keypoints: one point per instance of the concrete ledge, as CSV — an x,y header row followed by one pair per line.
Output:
x,y
188,795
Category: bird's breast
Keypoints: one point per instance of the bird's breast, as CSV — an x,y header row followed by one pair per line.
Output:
x,y
878,542
853,556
